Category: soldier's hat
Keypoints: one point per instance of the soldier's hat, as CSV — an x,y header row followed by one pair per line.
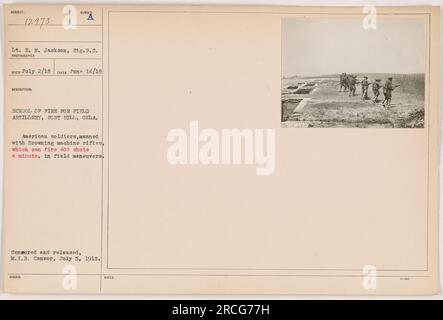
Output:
x,y
365,77
377,80
390,78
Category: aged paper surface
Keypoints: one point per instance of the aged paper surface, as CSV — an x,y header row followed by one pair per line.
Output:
x,y
203,149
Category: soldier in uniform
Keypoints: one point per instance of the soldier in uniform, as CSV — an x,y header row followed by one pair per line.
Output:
x,y
364,88
387,92
348,80
352,82
343,83
375,89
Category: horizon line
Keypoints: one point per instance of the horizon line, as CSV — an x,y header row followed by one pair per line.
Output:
x,y
332,74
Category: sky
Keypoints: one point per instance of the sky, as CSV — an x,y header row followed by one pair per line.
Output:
x,y
318,46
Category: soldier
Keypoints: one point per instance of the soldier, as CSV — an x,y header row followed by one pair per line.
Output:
x,y
343,84
352,81
348,80
375,89
387,92
364,88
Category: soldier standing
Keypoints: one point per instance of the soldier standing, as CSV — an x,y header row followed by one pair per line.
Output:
x,y
375,89
343,77
387,92
348,81
352,82
364,88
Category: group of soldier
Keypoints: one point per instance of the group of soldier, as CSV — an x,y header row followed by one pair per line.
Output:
x,y
349,82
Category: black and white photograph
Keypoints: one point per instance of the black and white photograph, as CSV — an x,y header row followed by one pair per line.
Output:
x,y
338,73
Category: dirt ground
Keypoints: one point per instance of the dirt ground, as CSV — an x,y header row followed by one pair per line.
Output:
x,y
326,106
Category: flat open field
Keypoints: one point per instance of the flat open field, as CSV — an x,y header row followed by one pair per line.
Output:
x,y
317,102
